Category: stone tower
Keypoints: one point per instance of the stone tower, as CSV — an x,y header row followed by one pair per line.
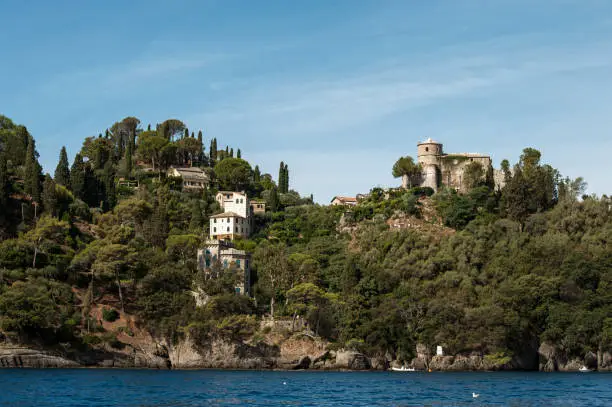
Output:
x,y
429,154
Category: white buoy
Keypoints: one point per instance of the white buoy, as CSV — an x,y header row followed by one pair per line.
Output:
x,y
474,395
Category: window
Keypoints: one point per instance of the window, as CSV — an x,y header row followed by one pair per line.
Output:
x,y
215,220
241,200
238,262
228,219
215,230
228,229
237,200
236,229
426,148
237,290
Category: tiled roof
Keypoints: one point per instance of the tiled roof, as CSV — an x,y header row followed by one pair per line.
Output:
x,y
345,198
227,215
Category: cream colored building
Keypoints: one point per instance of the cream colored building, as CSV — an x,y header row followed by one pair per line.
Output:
x,y
344,200
229,225
236,202
193,178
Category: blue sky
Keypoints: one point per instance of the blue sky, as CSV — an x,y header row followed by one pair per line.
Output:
x,y
337,89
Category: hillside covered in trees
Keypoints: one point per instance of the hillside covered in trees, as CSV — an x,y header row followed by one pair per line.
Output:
x,y
108,237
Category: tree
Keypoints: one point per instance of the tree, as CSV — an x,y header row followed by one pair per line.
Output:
x,y
62,171
77,177
170,129
286,179
213,152
32,172
49,232
150,147
272,270
49,196
473,175
233,174
406,168
281,178
4,185
238,154
256,174
112,260
128,161
273,202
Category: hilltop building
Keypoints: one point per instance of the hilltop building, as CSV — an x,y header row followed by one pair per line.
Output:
x,y
193,178
440,168
219,253
344,200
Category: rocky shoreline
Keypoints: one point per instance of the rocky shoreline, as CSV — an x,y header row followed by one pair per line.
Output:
x,y
226,355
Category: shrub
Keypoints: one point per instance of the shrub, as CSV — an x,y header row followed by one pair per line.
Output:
x,y
110,315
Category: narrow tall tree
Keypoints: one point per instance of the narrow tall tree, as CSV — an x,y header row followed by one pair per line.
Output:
x,y
62,171
128,161
286,179
77,177
4,185
232,153
281,177
238,154
49,196
32,172
256,174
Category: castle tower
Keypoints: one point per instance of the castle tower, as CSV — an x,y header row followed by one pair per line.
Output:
x,y
428,155
429,152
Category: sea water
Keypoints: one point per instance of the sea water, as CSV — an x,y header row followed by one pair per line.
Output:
x,y
101,387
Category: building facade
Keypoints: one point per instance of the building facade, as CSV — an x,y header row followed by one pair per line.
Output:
x,y
344,200
220,256
193,178
440,168
229,226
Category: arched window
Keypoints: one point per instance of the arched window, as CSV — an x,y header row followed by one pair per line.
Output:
x,y
228,229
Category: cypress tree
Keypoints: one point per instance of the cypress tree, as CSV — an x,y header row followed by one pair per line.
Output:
x,y
281,178
77,177
62,171
186,133
238,154
256,174
201,157
32,172
149,127
273,200
128,161
192,135
232,153
109,197
197,220
49,196
159,220
4,185
286,179
213,152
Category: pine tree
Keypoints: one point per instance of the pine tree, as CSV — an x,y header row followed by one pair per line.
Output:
x,y
49,196
238,154
32,172
256,174
62,171
77,177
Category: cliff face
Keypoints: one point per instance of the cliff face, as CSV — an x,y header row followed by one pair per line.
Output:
x,y
292,354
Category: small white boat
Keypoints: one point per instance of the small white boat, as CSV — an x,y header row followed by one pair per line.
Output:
x,y
403,369
584,369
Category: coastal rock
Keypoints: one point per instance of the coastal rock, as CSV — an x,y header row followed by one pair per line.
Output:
x,y
303,364
604,361
26,357
441,363
352,360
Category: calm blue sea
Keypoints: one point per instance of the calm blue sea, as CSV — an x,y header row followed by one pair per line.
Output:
x,y
98,387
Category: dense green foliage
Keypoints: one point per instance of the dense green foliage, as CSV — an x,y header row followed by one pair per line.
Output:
x,y
494,271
